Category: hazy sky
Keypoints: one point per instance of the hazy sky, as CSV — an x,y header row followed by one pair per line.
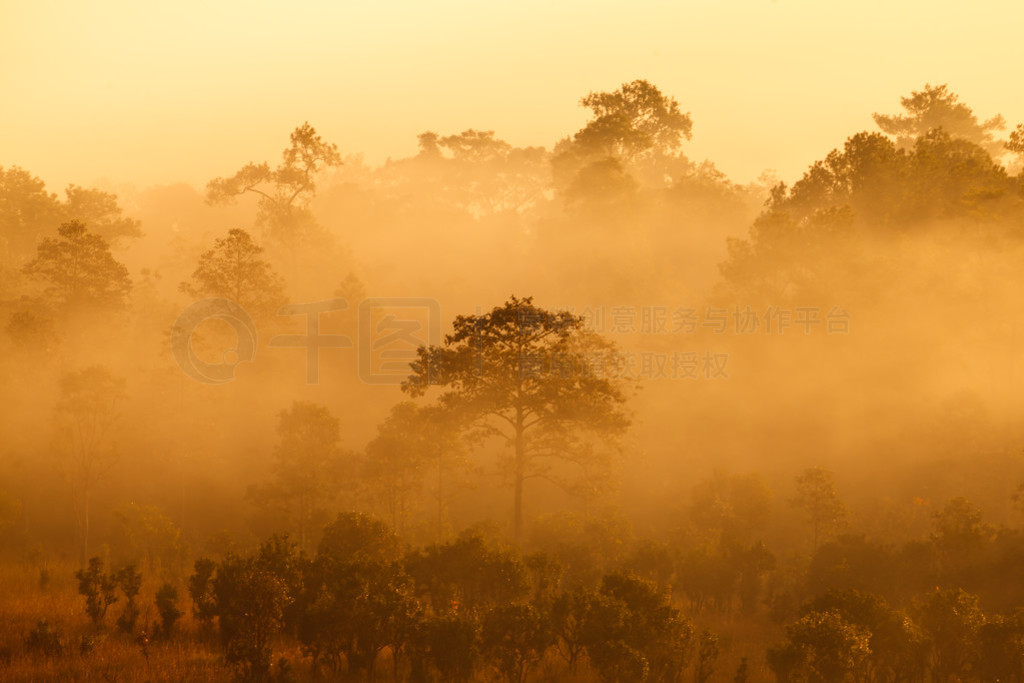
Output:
x,y
131,92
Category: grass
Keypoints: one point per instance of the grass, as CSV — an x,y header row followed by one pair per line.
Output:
x,y
88,652
111,655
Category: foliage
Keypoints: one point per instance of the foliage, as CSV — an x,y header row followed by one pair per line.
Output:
x,y
45,639
736,506
86,415
307,465
816,495
142,533
633,130
412,444
468,574
534,378
129,579
201,590
473,171
450,642
631,632
937,107
827,645
707,655
515,638
28,212
100,211
99,589
235,269
167,608
251,596
78,271
951,619
284,192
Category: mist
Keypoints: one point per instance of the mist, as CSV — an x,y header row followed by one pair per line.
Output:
x,y
583,408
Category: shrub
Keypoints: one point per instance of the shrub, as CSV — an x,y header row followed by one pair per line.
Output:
x,y
45,639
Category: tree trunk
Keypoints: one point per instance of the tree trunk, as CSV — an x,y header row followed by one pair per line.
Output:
x,y
302,523
440,499
84,550
520,473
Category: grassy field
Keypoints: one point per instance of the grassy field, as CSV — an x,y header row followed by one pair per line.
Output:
x,y
81,651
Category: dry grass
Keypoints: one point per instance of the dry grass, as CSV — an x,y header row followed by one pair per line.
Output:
x,y
107,654
116,656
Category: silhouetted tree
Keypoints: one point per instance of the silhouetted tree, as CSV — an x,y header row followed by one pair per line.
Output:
x,y
235,269
284,192
469,572
569,619
86,414
937,107
830,647
357,536
201,590
307,468
129,579
810,241
358,608
854,561
707,655
960,536
474,171
736,506
412,444
707,578
532,377
1001,649
632,633
514,638
899,649
816,495
251,595
951,620
356,598
99,589
27,212
450,642
635,129
1015,143
167,608
100,211
751,562
78,270
142,533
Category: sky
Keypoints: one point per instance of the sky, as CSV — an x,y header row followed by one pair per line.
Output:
x,y
115,92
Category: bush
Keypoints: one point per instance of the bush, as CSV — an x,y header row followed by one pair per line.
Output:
x,y
250,601
200,587
130,581
167,606
99,589
45,639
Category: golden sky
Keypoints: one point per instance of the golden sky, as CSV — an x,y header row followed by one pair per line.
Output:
x,y
128,91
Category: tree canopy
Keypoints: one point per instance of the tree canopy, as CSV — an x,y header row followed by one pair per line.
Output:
x,y
532,377
235,269
935,107
284,192
79,271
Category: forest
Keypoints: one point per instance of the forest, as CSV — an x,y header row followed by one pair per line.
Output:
x,y
589,411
